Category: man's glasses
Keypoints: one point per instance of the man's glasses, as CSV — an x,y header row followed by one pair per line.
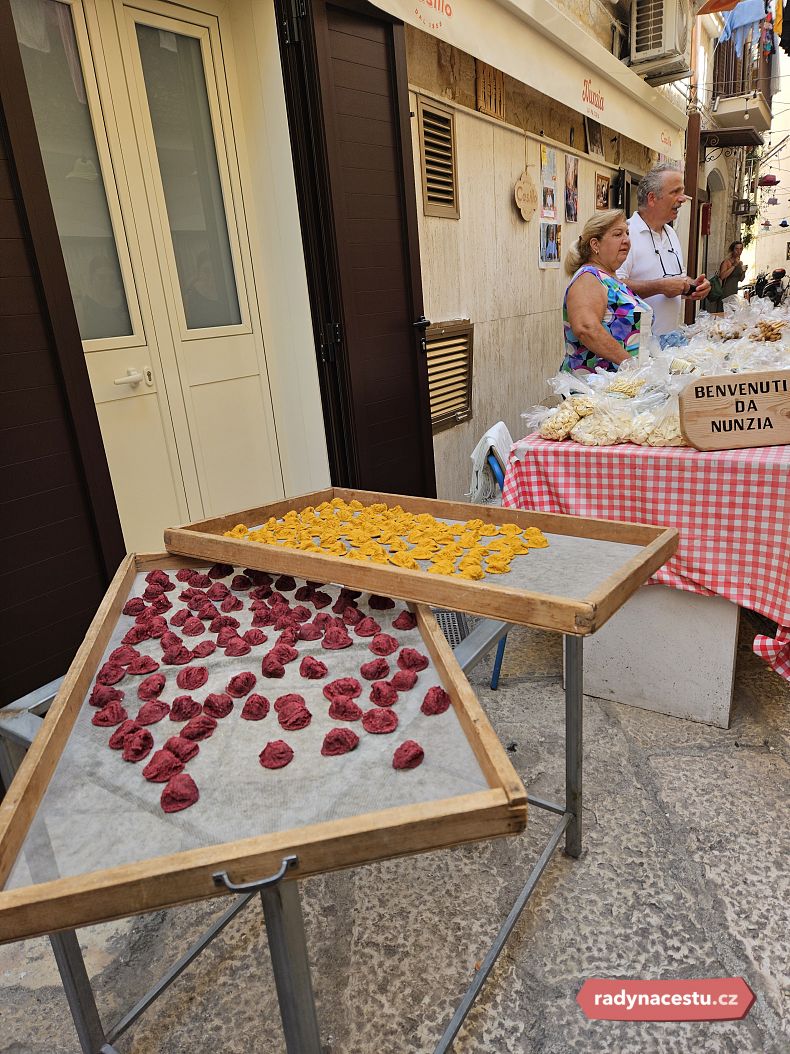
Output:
x,y
671,249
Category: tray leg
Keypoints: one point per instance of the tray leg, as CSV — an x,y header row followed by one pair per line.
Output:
x,y
574,726
79,993
282,911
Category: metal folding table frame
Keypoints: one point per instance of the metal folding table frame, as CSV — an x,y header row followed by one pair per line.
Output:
x,y
280,899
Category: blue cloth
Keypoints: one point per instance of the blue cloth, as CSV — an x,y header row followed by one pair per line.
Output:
x,y
675,339
739,21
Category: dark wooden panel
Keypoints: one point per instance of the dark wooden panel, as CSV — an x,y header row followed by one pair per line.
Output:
x,y
14,261
351,103
53,299
18,296
374,233
377,279
368,137
53,567
51,539
46,507
26,662
31,406
6,191
371,304
358,28
360,180
369,156
77,565
23,333
366,79
15,685
40,474
30,441
372,327
22,370
10,223
364,131
42,615
354,48
372,206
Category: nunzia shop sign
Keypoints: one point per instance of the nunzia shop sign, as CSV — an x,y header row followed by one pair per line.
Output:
x,y
737,410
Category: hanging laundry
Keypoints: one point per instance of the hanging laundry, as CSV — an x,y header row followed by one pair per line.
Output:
x,y
767,42
784,38
740,21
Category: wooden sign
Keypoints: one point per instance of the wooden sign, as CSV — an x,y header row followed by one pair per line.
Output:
x,y
737,410
526,196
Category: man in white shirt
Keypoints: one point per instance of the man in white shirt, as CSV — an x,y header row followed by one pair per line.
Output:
x,y
654,267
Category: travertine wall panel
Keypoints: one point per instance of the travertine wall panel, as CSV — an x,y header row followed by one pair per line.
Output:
x,y
484,266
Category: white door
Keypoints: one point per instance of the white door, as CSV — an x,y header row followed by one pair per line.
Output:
x,y
133,115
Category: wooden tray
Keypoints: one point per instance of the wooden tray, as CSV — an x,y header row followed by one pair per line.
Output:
x,y
166,880
563,608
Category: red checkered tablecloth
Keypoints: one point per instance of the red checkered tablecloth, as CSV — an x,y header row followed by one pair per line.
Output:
x,y
732,509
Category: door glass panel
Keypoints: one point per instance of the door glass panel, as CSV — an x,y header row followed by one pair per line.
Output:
x,y
175,84
45,31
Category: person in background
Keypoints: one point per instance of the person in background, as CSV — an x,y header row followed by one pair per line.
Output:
x,y
654,267
731,272
601,315
551,243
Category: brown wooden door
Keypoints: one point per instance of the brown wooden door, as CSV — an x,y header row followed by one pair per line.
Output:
x,y
364,99
59,529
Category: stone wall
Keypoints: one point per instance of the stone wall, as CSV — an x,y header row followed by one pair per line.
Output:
x,y
449,73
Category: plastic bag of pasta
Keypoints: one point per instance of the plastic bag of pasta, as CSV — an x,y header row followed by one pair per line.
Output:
x,y
609,424
666,431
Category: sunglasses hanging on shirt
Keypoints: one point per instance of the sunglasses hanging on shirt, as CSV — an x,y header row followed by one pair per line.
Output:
x,y
671,249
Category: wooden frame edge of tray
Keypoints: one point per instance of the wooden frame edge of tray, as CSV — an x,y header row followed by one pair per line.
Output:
x,y
554,522
166,881
610,596
38,765
68,903
205,540
488,749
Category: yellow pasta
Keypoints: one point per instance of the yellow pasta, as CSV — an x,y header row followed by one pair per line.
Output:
x,y
378,534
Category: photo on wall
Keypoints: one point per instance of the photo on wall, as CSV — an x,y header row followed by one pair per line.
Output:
x,y
594,135
571,188
548,183
602,185
550,245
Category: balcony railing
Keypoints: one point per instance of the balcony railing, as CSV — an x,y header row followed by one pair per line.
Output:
x,y
745,75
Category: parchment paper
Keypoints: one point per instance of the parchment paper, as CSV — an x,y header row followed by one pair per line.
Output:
x,y
571,567
99,811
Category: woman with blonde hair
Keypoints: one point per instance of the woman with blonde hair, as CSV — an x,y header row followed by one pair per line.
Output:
x,y
601,316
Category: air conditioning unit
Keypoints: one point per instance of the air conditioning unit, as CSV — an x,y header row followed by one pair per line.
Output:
x,y
661,39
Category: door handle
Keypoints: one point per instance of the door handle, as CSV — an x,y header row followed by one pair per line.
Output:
x,y
421,325
133,378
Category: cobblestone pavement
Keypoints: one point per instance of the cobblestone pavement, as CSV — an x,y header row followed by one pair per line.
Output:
x,y
684,874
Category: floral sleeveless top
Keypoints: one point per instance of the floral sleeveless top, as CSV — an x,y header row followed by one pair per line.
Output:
x,y
622,318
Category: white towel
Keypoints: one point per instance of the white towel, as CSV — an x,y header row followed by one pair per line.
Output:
x,y
483,488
